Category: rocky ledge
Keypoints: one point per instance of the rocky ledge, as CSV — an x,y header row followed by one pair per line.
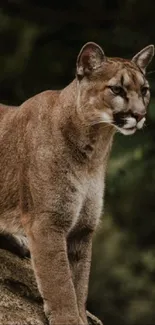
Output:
x,y
20,302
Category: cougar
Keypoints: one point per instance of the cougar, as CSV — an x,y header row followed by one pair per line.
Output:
x,y
54,150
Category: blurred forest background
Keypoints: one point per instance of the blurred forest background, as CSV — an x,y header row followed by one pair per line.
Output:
x,y
39,43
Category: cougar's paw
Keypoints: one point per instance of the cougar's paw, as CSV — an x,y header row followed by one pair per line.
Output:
x,y
60,318
65,321
83,318
93,320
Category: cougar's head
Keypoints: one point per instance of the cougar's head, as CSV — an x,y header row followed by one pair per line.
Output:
x,y
114,91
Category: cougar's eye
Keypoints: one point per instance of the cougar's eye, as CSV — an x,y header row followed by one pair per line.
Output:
x,y
117,90
144,90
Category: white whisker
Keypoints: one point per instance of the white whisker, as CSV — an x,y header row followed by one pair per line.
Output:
x,y
99,122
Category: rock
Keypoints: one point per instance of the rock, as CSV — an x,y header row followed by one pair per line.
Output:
x,y
20,301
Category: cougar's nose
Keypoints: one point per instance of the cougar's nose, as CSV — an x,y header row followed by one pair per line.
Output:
x,y
138,116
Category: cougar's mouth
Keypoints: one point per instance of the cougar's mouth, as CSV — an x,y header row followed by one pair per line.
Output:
x,y
128,123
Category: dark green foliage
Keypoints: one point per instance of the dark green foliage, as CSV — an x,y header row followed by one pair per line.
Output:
x,y
39,43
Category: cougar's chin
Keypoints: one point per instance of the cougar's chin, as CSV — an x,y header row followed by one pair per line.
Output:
x,y
126,131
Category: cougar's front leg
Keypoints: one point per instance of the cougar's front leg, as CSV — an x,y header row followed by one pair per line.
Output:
x,y
79,252
80,247
50,261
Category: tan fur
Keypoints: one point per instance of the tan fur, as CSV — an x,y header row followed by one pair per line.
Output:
x,y
53,157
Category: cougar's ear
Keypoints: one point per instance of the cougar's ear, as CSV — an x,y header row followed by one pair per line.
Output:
x,y
144,57
90,58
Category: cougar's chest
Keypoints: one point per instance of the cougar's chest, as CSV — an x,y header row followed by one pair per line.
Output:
x,y
91,198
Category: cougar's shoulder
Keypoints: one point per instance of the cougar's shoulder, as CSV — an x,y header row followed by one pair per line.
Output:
x,y
44,99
